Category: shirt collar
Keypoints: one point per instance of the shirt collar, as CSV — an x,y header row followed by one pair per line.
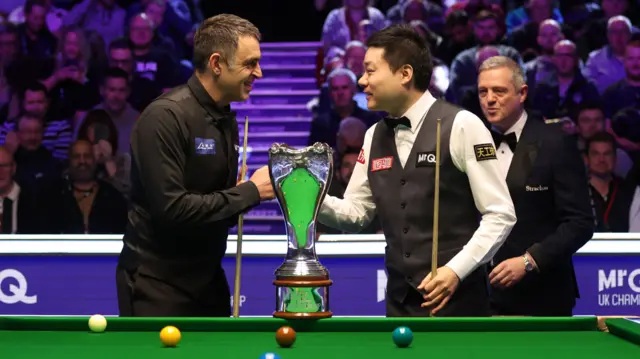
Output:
x,y
205,100
518,126
14,193
416,112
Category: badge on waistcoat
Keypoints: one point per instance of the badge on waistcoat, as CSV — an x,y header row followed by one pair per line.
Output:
x,y
205,146
380,164
485,151
426,159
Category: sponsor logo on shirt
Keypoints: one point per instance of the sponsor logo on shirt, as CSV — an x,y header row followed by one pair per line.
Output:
x,y
361,156
205,146
485,151
380,164
426,159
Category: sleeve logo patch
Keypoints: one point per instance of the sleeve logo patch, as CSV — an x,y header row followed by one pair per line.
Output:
x,y
361,156
380,164
484,151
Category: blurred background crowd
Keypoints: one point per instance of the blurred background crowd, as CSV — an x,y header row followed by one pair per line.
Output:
x,y
74,76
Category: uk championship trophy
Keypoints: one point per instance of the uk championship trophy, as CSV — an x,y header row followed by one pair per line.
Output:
x,y
301,178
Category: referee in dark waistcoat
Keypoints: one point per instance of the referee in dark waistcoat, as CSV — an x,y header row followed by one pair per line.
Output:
x,y
185,191
394,178
532,273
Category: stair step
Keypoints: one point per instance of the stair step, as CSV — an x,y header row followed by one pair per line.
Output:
x,y
291,46
270,124
282,97
289,70
288,57
274,111
287,83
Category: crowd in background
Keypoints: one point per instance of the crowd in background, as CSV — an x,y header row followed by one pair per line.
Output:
x,y
581,59
74,76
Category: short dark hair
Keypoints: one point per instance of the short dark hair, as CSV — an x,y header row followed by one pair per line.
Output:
x,y
115,73
33,86
220,34
120,43
30,4
403,45
600,137
588,106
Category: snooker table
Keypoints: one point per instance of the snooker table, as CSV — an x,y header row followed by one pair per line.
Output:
x,y
333,338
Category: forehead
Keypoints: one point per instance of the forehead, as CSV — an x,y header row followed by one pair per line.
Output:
x,y
549,29
635,50
592,113
81,147
120,53
339,80
374,57
248,48
565,49
115,81
601,146
495,77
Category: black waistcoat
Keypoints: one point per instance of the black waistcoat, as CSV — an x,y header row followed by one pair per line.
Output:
x,y
404,199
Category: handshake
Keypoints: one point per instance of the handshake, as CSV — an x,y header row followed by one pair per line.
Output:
x,y
262,180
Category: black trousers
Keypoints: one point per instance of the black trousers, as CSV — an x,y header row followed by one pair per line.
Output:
x,y
471,299
143,295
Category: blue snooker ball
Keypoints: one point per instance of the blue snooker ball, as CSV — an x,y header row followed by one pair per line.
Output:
x,y
269,356
402,337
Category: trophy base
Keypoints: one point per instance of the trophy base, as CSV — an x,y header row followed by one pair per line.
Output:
x,y
302,298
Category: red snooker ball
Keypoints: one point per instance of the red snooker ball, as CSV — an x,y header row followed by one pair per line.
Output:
x,y
286,336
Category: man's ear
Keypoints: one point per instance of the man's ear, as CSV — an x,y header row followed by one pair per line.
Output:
x,y
215,63
406,74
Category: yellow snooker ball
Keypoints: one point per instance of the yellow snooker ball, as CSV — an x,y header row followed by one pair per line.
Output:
x,y
170,336
97,323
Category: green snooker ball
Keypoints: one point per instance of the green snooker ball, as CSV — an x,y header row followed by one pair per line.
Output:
x,y
402,337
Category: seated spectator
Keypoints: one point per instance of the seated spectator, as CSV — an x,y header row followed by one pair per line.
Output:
x,y
429,12
350,135
113,163
595,33
433,39
560,94
341,25
464,72
625,92
115,90
326,121
625,128
542,67
589,122
36,40
606,65
19,209
457,36
104,17
143,90
37,169
172,20
53,18
609,193
534,11
85,204
58,134
152,59
9,80
71,79
526,38
354,57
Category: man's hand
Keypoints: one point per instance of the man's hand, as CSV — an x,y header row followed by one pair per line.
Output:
x,y
438,290
262,180
509,272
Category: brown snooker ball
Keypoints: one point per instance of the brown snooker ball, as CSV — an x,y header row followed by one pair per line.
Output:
x,y
286,336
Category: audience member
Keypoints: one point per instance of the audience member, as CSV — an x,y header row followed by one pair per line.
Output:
x,y
626,91
36,41
341,25
102,16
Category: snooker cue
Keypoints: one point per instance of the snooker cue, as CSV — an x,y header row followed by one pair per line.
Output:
x,y
436,206
236,284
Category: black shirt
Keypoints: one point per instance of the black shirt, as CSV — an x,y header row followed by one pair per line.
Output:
x,y
184,196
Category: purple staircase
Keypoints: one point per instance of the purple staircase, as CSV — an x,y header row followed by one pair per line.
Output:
x,y
277,111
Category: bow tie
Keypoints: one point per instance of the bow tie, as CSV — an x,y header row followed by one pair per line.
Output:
x,y
510,139
393,122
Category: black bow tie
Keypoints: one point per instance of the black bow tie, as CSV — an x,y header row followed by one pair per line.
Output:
x,y
393,122
510,139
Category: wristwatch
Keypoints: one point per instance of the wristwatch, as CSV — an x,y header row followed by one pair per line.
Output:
x,y
528,266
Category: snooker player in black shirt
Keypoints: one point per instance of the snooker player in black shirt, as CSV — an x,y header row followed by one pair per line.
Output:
x,y
185,192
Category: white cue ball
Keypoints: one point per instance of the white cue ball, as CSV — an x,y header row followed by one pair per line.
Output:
x,y
97,323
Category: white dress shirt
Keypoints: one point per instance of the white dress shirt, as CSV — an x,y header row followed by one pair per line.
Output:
x,y
504,153
489,188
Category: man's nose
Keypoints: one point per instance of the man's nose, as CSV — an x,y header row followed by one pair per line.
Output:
x,y
258,72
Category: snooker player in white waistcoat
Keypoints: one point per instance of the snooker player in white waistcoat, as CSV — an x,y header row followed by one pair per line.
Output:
x,y
394,178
